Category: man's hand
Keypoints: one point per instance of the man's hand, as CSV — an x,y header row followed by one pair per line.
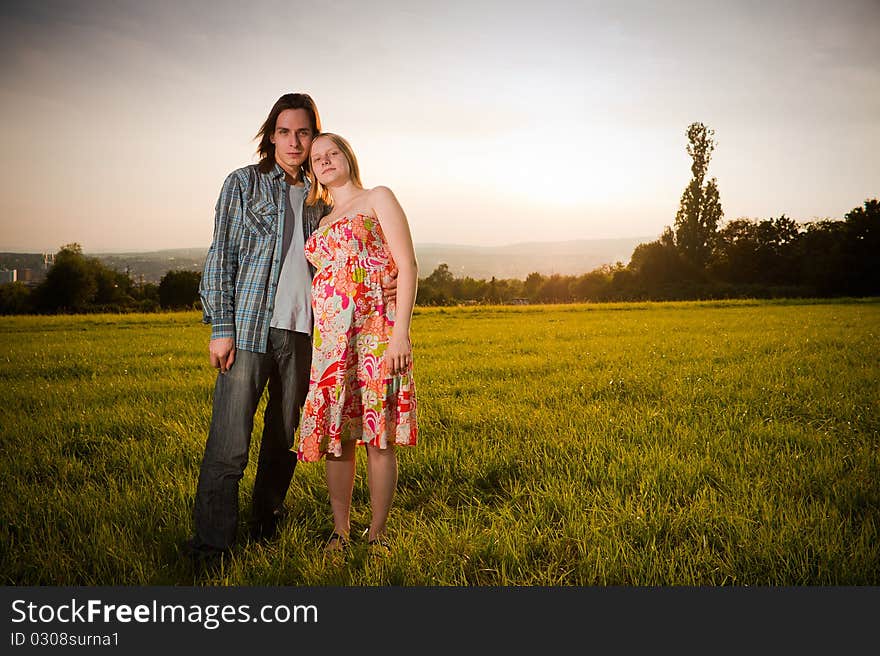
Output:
x,y
389,288
222,351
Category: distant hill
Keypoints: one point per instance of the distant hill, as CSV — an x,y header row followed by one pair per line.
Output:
x,y
519,260
481,262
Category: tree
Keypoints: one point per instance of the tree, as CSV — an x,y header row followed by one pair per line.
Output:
x,y
757,252
467,289
492,293
700,210
556,289
146,297
436,289
532,285
441,276
591,286
823,259
77,283
863,247
15,298
70,283
179,289
658,263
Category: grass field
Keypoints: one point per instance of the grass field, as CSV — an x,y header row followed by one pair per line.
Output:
x,y
727,443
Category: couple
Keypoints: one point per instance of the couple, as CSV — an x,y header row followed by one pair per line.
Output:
x,y
300,248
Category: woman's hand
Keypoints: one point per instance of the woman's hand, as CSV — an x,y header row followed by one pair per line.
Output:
x,y
398,355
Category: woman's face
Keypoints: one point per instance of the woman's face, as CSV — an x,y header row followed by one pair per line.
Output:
x,y
329,162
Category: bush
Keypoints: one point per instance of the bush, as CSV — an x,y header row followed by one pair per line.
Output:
x,y
179,289
15,298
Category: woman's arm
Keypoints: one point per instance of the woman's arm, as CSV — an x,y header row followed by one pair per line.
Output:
x,y
396,229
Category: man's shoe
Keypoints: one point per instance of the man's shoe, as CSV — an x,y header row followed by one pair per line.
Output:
x,y
266,529
203,554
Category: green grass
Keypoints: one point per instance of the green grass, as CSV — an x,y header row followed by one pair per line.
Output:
x,y
723,443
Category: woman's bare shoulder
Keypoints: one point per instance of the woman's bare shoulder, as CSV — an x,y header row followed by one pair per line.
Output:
x,y
380,192
382,196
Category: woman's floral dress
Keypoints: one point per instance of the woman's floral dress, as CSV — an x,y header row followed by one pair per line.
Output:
x,y
351,395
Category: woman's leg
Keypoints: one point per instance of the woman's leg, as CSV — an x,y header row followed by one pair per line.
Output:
x,y
340,483
382,481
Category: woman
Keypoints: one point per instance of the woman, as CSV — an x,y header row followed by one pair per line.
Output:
x,y
361,388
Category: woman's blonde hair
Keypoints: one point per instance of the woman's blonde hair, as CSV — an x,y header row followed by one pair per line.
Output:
x,y
319,191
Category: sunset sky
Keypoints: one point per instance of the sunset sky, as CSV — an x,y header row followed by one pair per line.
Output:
x,y
493,122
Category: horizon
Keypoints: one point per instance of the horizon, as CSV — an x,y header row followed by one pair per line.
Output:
x,y
579,135
417,244
649,238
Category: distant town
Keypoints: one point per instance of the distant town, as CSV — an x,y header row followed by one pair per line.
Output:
x,y
143,268
28,268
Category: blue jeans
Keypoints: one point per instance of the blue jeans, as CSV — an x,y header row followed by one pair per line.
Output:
x,y
285,367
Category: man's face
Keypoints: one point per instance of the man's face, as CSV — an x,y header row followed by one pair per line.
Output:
x,y
292,138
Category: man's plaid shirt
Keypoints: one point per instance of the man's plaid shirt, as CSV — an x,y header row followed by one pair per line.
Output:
x,y
244,262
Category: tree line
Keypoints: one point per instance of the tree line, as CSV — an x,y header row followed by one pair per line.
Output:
x,y
697,258
77,284
772,258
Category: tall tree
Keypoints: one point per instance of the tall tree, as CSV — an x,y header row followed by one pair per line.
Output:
x,y
699,212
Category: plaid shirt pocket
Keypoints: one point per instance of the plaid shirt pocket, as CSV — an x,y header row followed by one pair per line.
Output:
x,y
261,217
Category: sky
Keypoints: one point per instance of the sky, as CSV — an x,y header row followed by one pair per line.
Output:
x,y
493,122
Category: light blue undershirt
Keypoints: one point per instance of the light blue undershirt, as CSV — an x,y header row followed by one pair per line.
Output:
x,y
293,299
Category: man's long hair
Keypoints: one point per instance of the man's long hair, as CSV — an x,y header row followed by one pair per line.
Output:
x,y
266,149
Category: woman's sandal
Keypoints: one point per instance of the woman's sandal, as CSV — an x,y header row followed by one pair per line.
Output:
x,y
379,547
337,542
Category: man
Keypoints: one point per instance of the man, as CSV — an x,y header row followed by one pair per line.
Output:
x,y
256,294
